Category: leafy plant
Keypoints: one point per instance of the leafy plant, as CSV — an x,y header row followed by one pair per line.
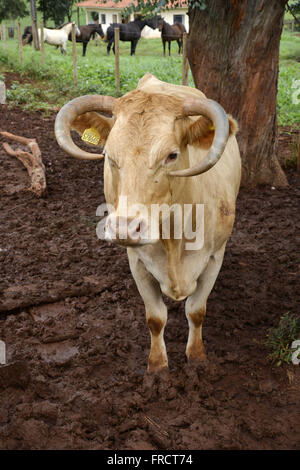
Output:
x,y
279,339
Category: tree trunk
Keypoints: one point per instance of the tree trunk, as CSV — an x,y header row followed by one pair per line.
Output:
x,y
233,51
36,42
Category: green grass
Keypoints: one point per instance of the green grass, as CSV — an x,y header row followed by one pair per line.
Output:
x,y
95,71
289,75
279,339
52,85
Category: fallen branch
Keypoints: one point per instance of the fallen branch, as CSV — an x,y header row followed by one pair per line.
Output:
x,y
32,161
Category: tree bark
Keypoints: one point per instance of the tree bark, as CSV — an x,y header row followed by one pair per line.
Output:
x,y
36,42
233,51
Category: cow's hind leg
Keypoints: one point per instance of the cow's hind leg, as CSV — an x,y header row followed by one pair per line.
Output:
x,y
156,312
195,307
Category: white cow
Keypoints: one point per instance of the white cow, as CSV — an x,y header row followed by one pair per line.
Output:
x,y
165,144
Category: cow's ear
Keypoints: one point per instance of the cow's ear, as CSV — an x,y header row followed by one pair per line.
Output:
x,y
201,132
93,120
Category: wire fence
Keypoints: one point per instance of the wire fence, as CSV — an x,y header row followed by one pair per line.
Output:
x,y
115,42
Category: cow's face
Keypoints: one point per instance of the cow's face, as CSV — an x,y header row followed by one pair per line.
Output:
x,y
145,146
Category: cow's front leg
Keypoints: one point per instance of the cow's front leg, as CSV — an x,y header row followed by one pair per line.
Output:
x,y
156,311
195,306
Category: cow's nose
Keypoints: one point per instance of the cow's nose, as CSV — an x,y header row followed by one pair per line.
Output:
x,y
126,230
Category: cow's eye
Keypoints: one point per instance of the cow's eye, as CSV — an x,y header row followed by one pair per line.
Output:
x,y
171,158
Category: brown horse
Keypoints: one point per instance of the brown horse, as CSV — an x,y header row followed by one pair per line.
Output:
x,y
171,33
86,33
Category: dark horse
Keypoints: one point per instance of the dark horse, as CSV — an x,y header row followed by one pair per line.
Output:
x,y
129,32
27,35
171,33
86,33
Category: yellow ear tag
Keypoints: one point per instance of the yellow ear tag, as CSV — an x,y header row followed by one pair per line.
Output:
x,y
91,136
211,128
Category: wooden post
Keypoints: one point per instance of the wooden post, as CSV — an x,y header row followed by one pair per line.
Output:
x,y
74,55
35,36
20,42
185,63
42,44
117,60
4,37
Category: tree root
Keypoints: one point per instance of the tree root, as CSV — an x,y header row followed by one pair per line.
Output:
x,y
32,161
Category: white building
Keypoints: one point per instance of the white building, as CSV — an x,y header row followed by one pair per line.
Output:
x,y
111,12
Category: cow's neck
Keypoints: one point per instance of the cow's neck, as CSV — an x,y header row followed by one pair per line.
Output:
x,y
183,192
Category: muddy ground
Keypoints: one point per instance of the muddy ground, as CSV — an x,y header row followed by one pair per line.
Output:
x,y
76,337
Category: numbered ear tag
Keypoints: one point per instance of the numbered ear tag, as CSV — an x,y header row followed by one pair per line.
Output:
x,y
91,136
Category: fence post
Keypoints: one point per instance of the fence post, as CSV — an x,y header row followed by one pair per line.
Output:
x,y
74,55
35,35
20,43
42,44
4,37
117,60
185,63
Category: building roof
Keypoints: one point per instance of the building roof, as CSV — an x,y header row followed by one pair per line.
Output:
x,y
121,4
105,4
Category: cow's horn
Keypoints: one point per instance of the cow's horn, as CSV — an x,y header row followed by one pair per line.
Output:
x,y
212,110
67,115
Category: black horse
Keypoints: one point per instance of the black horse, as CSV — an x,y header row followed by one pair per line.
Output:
x,y
27,35
86,33
171,33
129,32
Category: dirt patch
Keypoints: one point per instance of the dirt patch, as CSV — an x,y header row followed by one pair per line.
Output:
x,y
75,330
